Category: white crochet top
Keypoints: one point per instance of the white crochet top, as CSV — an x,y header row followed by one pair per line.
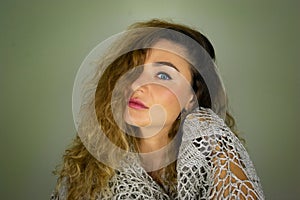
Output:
x,y
212,164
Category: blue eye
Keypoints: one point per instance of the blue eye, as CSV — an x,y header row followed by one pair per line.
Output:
x,y
163,76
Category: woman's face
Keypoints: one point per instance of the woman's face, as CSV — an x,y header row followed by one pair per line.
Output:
x,y
162,90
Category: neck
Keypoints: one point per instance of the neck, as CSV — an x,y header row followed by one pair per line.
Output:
x,y
157,139
157,151
151,159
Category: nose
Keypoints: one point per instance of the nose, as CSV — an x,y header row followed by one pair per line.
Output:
x,y
140,84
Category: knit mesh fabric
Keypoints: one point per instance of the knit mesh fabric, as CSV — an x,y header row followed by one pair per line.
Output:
x,y
212,164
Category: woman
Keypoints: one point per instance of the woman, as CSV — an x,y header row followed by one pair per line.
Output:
x,y
155,124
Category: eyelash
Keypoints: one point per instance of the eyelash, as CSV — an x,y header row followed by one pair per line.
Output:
x,y
164,74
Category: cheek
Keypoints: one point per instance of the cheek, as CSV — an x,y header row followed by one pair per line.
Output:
x,y
176,97
168,100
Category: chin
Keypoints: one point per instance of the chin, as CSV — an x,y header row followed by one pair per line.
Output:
x,y
137,123
138,119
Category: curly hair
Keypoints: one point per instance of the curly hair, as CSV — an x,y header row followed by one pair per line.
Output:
x,y
83,175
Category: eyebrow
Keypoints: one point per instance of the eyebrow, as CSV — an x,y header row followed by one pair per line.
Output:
x,y
166,63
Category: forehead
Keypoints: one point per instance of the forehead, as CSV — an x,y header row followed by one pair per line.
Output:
x,y
167,51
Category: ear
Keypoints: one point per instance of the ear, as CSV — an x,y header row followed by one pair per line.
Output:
x,y
190,103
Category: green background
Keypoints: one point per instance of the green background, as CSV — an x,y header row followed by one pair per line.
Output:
x,y
44,42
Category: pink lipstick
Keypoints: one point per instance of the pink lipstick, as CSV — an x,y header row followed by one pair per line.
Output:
x,y
136,104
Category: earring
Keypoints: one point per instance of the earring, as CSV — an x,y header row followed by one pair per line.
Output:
x,y
182,113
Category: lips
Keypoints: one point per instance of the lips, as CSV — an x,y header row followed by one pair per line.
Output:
x,y
136,104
